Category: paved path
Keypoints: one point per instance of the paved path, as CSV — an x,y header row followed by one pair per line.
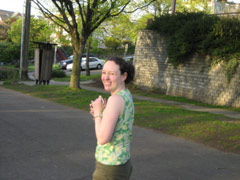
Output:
x,y
84,85
192,107
42,140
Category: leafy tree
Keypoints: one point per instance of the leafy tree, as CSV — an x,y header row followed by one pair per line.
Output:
x,y
193,6
5,26
112,43
160,7
39,31
80,19
3,31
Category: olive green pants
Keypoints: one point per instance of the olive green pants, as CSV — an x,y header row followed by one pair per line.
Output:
x,y
108,172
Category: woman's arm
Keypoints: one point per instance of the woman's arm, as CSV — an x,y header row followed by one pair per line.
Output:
x,y
104,126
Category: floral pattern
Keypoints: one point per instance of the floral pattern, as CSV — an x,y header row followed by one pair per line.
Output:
x,y
117,151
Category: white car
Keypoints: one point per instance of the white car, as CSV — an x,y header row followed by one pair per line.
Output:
x,y
94,63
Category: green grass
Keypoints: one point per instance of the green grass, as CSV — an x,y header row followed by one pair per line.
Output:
x,y
32,68
82,78
210,129
214,130
156,93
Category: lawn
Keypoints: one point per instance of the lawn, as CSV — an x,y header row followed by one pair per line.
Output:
x,y
209,129
82,78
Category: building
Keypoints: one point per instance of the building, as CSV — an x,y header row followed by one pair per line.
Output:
x,y
5,15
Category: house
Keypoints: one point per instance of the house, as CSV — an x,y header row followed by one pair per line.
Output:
x,y
4,15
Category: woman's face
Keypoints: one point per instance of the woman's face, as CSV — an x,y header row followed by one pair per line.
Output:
x,y
112,79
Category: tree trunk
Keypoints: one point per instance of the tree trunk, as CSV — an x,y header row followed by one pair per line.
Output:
x,y
87,58
78,48
173,6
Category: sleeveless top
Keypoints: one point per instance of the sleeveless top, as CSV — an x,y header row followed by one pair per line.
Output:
x,y
117,151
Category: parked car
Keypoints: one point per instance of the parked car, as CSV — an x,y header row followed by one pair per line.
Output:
x,y
63,64
94,63
129,59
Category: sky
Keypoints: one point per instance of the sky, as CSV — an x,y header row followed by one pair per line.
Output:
x,y
17,5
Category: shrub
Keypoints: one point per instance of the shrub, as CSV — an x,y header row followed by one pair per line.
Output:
x,y
9,75
58,73
191,33
10,52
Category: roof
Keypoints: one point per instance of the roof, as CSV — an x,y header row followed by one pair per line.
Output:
x,y
4,15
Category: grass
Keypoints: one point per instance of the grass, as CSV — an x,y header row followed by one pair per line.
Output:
x,y
156,93
31,67
214,130
82,78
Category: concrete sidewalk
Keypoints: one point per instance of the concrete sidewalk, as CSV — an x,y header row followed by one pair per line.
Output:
x,y
42,140
228,113
84,85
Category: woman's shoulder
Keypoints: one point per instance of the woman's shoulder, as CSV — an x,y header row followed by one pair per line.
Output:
x,y
115,98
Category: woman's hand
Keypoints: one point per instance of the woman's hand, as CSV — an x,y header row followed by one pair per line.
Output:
x,y
97,106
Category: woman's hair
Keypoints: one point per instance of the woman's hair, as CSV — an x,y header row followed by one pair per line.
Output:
x,y
124,67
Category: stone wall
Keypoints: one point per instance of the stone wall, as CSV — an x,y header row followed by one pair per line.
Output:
x,y
195,80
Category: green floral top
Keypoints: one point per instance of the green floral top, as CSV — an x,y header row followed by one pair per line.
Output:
x,y
117,151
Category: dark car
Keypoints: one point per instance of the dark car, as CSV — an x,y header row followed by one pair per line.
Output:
x,y
129,59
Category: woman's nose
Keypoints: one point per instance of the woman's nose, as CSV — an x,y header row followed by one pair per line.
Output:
x,y
106,76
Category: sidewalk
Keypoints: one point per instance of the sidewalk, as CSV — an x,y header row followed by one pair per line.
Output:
x,y
84,85
228,113
42,140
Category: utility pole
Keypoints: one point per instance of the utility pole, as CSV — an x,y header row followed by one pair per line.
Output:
x,y
173,6
25,42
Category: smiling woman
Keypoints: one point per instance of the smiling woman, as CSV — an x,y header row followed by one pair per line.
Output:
x,y
113,122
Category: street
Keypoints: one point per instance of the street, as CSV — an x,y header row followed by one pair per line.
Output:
x,y
42,140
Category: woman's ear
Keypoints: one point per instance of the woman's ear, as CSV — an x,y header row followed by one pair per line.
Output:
x,y
124,76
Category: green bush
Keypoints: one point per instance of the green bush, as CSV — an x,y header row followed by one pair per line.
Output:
x,y
10,52
58,73
9,74
199,33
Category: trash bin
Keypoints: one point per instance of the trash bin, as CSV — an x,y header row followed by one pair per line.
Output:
x,y
43,61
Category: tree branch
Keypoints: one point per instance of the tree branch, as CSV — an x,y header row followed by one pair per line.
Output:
x,y
49,15
137,8
62,12
81,11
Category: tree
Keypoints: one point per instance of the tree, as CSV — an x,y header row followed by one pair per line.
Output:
x,y
39,31
161,7
3,31
193,6
80,18
5,26
112,43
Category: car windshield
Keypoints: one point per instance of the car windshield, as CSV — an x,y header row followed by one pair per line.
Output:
x,y
70,57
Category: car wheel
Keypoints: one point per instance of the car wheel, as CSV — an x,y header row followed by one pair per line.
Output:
x,y
99,66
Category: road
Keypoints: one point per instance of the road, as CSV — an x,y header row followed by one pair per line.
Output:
x,y
42,140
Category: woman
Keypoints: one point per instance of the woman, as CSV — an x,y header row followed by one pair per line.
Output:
x,y
113,122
